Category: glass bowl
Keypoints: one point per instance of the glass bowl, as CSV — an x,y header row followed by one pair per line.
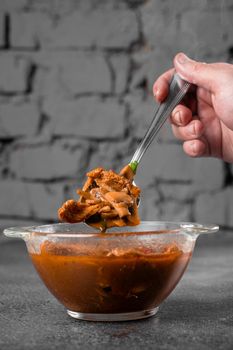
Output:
x,y
124,274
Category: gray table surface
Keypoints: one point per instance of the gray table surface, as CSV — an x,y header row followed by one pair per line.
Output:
x,y
197,315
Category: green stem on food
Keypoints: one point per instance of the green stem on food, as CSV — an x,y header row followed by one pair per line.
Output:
x,y
133,166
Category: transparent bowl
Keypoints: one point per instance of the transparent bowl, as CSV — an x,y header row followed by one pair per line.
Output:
x,y
124,274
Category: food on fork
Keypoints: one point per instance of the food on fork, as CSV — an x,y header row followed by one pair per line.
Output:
x,y
107,199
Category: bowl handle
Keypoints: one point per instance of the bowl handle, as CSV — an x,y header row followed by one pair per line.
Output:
x,y
198,229
17,232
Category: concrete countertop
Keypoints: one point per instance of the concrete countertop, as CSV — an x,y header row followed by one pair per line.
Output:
x,y
197,315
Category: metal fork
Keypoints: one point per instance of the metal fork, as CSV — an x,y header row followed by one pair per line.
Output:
x,y
177,90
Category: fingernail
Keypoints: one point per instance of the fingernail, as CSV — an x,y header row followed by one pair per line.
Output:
x,y
182,58
178,117
193,147
156,91
192,129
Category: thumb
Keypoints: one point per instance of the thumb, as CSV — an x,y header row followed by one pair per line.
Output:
x,y
198,73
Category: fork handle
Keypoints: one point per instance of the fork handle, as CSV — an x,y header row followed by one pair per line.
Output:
x,y
177,90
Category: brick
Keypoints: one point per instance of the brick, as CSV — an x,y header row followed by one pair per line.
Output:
x,y
46,82
15,201
4,157
207,174
59,7
111,155
2,29
11,5
47,162
149,208
56,8
212,208
154,207
13,74
29,30
73,185
120,65
141,113
76,73
161,27
45,199
172,210
86,73
201,169
215,208
210,30
19,119
166,162
142,110
207,25
158,24
150,64
179,6
178,192
89,117
101,27
39,201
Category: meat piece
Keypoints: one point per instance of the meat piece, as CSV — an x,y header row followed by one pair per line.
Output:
x,y
109,215
110,181
73,211
88,184
107,199
105,209
98,193
120,202
86,195
134,218
95,173
118,197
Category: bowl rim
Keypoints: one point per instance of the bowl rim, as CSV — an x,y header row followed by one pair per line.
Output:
x,y
191,228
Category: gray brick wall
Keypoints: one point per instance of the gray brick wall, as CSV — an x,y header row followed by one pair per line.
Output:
x,y
76,92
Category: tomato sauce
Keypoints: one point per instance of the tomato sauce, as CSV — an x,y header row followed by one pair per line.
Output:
x,y
123,280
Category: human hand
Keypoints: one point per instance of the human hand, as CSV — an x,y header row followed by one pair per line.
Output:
x,y
204,120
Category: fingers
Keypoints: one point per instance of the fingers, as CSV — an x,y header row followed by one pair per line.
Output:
x,y
191,131
181,115
196,148
208,77
161,85
198,73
